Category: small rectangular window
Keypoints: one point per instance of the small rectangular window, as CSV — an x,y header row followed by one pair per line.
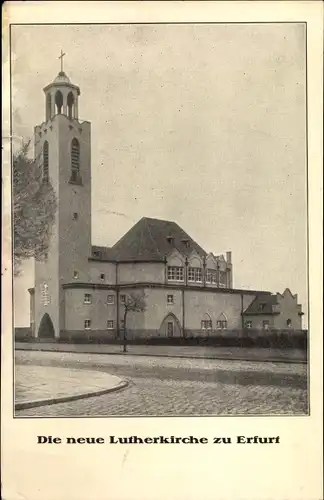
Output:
x,y
110,324
122,299
248,324
170,299
75,275
87,324
102,277
75,216
110,299
87,298
122,323
265,325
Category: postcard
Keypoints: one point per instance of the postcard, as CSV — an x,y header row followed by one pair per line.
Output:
x,y
162,331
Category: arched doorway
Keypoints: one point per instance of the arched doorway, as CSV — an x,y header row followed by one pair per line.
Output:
x,y
46,328
170,326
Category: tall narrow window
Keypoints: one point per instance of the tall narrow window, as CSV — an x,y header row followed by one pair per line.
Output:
x,y
70,104
48,107
87,324
45,162
75,161
59,102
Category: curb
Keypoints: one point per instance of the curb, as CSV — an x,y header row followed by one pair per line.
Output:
x,y
64,399
219,357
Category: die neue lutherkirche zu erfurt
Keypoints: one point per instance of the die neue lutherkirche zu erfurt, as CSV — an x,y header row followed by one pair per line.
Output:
x,y
79,287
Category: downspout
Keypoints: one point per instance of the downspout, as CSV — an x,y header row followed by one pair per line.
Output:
x,y
204,272
242,311
117,302
183,313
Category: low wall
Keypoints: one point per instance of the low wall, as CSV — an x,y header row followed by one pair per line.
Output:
x,y
23,334
281,339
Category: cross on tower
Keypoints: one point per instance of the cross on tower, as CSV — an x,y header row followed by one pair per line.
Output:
x,y
61,57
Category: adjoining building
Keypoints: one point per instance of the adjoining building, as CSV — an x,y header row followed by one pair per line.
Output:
x,y
82,287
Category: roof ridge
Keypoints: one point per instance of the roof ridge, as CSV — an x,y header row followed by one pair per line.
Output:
x,y
160,220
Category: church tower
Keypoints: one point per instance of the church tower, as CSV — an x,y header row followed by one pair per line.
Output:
x,y
63,150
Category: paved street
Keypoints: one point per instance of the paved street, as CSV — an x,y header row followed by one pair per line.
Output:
x,y
167,387
210,352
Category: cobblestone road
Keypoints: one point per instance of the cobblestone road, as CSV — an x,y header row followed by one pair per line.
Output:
x,y
166,387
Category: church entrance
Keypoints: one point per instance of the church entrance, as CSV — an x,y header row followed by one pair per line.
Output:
x,y
170,326
46,328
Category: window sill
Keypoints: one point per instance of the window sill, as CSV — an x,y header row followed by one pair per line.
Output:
x,y
76,183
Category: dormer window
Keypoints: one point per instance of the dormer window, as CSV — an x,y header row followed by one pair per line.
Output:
x,y
170,240
96,253
262,306
186,243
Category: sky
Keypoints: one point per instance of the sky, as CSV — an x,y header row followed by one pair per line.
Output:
x,y
200,124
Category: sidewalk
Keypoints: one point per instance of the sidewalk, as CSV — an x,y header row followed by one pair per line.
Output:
x,y
44,385
235,353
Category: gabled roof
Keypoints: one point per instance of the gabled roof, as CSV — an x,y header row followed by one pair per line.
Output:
x,y
262,304
149,240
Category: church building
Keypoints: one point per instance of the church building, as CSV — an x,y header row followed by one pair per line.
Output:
x,y
81,287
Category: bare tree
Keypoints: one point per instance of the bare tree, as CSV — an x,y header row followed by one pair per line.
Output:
x,y
34,208
134,302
